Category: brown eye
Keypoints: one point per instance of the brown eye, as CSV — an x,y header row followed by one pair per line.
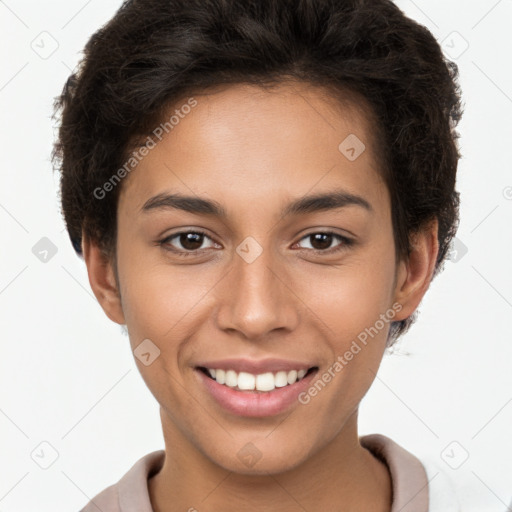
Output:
x,y
186,242
191,241
322,241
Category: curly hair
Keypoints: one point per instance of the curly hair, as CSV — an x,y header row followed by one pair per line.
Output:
x,y
151,53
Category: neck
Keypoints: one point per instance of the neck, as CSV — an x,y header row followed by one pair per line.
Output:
x,y
341,474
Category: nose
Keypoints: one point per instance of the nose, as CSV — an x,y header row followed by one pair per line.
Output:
x,y
257,298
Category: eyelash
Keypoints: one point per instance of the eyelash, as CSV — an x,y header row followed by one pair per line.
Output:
x,y
347,242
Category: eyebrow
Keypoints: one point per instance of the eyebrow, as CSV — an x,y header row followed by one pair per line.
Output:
x,y
308,204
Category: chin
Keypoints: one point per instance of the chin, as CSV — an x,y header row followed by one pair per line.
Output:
x,y
255,458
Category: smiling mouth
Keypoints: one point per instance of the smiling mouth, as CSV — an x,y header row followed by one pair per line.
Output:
x,y
260,383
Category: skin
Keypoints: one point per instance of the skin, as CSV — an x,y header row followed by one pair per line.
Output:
x,y
254,151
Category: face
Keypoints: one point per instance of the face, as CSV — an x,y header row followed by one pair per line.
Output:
x,y
242,280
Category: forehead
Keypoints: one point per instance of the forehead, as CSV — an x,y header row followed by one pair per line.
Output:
x,y
241,143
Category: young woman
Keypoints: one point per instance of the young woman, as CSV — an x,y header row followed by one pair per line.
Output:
x,y
262,192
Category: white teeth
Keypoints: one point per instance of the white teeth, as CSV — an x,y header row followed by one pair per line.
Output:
x,y
292,376
261,382
265,382
246,380
281,379
231,379
220,376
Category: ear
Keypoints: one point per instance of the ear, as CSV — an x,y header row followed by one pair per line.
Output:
x,y
415,274
103,281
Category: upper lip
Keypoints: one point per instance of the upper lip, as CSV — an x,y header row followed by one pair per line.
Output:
x,y
256,366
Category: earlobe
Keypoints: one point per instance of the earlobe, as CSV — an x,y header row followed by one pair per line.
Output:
x,y
102,280
415,274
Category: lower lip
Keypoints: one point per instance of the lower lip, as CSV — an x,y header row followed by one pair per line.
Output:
x,y
256,404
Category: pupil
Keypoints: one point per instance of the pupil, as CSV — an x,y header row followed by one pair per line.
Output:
x,y
324,240
191,241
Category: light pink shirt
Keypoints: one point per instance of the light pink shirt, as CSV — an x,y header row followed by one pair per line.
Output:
x,y
408,476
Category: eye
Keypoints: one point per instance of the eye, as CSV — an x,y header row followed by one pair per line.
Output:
x,y
322,240
191,242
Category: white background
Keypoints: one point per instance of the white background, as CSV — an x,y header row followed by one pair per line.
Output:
x,y
68,377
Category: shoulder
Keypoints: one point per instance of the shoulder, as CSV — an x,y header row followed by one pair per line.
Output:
x,y
130,493
418,484
106,501
442,491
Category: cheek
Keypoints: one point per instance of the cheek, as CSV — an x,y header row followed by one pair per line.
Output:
x,y
352,297
352,302
361,314
160,302
158,306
